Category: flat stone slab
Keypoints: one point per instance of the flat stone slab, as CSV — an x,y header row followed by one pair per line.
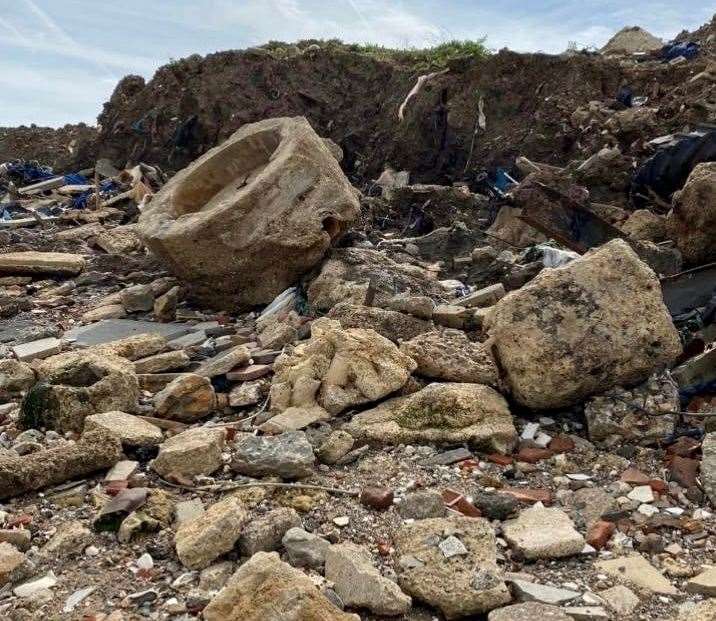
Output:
x,y
37,350
110,330
31,262
638,571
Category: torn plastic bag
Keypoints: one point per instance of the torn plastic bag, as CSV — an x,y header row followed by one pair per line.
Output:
x,y
667,171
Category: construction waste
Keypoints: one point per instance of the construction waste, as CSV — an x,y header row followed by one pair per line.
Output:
x,y
302,372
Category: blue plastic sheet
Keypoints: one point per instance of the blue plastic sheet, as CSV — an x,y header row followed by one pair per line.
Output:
x,y
674,50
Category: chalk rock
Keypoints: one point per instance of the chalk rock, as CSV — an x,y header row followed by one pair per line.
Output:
x,y
597,322
271,190
439,413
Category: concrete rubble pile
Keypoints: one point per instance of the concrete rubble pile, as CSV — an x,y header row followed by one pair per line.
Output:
x,y
262,389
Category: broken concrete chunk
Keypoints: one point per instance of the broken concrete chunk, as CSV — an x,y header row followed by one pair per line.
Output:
x,y
186,398
267,589
416,305
337,369
192,452
201,541
636,570
708,465
595,323
15,377
530,611
14,565
48,263
289,455
391,324
692,221
133,347
265,533
132,431
224,362
159,363
37,350
467,584
74,385
360,585
440,413
452,357
70,539
272,189
95,450
541,532
137,298
305,549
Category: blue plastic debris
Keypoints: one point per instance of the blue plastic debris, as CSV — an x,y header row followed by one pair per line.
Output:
x,y
674,50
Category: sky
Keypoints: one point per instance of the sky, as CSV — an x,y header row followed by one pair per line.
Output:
x,y
60,59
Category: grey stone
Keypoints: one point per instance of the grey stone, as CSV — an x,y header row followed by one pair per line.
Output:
x,y
708,465
114,329
305,549
360,585
137,298
530,611
620,599
422,505
264,533
524,591
289,455
37,350
539,532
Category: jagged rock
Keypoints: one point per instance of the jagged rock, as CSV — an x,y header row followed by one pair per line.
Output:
x,y
541,532
337,369
223,362
165,306
345,277
14,565
305,549
265,533
595,323
186,398
452,357
204,539
645,225
620,599
439,413
708,465
137,298
529,611
692,221
248,393
272,189
515,232
133,347
70,539
288,455
74,385
159,363
422,505
416,305
15,376
109,311
214,577
267,589
703,611
388,323
467,584
192,452
360,585
616,414
132,431
335,447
